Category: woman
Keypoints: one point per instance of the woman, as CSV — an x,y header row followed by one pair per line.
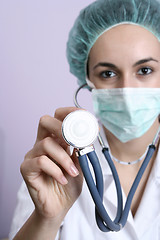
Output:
x,y
115,45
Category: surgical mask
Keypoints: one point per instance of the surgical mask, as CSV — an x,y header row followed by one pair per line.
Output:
x,y
127,113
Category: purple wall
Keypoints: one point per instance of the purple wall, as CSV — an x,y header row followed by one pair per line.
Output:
x,y
35,80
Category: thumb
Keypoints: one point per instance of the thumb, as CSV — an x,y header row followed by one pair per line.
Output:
x,y
76,161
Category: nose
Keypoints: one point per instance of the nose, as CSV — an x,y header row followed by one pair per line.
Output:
x,y
128,80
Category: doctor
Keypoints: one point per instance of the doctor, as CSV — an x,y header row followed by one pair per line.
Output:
x,y
115,44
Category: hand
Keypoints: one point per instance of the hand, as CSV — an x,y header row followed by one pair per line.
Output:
x,y
53,177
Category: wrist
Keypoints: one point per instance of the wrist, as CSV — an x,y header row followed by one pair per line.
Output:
x,y
48,221
38,227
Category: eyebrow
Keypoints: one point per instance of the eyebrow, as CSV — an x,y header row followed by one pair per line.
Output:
x,y
105,64
111,65
144,61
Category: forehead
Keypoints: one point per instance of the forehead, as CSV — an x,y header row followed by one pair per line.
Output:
x,y
126,38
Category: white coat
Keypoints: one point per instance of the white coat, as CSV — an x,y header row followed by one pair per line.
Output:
x,y
80,224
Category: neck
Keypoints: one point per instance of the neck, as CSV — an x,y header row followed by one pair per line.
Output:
x,y
134,149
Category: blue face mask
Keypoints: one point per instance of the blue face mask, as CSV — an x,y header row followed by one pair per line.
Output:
x,y
127,113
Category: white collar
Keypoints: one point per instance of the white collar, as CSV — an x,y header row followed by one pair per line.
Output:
x,y
106,170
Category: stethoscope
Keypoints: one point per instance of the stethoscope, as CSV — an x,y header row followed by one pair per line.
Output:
x,y
80,129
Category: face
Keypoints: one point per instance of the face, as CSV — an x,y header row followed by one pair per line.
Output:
x,y
125,56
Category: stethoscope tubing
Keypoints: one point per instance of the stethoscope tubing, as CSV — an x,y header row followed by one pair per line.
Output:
x,y
135,184
99,220
93,159
104,222
96,191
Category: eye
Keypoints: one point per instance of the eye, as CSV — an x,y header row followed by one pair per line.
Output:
x,y
145,71
107,74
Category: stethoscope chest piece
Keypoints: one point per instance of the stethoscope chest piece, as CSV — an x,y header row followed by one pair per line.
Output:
x,y
80,129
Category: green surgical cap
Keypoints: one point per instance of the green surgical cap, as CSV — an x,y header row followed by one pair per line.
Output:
x,y
100,16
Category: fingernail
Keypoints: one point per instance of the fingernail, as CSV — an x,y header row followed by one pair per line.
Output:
x,y
63,180
73,170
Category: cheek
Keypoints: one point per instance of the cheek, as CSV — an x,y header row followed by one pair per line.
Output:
x,y
155,82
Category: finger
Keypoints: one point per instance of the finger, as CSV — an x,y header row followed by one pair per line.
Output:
x,y
51,148
32,168
48,126
76,161
61,113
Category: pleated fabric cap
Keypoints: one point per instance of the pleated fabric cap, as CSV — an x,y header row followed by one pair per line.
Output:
x,y
99,17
